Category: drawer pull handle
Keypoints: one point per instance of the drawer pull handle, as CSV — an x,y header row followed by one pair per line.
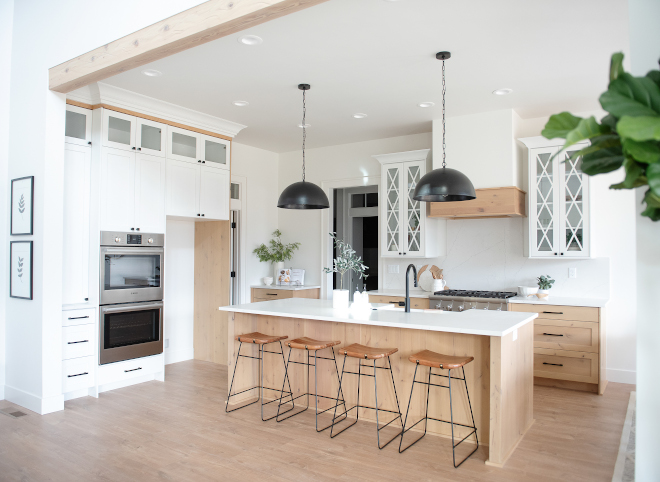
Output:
x,y
554,364
74,342
78,317
133,369
552,334
78,374
271,294
398,303
553,312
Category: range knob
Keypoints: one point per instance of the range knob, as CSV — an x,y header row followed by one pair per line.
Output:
x,y
117,239
150,240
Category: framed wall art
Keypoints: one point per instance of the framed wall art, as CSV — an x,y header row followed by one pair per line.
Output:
x,y
20,267
22,200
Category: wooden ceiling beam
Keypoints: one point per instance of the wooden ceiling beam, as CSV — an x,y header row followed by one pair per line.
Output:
x,y
196,26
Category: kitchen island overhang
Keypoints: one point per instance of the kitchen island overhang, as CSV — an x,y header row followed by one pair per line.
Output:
x,y
500,379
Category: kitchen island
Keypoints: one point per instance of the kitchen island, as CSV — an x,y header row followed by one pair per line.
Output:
x,y
500,379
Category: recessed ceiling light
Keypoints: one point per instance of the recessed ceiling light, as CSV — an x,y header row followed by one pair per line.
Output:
x,y
359,115
502,91
152,73
426,104
306,126
241,103
250,40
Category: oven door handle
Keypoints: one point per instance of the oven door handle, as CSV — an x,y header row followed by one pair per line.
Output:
x,y
113,250
132,307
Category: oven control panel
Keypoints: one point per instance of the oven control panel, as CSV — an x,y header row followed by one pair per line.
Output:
x,y
113,238
133,239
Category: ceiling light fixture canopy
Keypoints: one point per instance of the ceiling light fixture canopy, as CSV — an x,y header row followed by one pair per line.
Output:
x,y
302,194
444,184
152,73
505,91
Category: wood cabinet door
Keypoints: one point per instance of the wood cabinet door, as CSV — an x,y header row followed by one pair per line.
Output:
x,y
117,190
75,256
214,193
118,130
182,189
149,194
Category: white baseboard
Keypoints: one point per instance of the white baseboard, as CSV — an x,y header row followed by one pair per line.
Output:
x,y
131,381
2,392
175,356
39,405
621,376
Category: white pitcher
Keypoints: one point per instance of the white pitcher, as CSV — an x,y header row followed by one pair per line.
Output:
x,y
438,285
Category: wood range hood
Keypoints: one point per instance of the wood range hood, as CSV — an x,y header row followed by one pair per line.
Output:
x,y
494,202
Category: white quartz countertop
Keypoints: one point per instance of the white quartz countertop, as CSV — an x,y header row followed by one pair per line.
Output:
x,y
471,322
417,293
286,287
560,300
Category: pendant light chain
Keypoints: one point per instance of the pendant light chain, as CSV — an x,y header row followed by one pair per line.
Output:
x,y
304,127
444,89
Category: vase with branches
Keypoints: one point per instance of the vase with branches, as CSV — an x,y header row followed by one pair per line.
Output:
x,y
346,261
276,252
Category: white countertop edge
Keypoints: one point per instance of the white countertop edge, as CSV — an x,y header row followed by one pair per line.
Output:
x,y
560,300
286,287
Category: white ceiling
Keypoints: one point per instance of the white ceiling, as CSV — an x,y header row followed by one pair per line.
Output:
x,y
378,57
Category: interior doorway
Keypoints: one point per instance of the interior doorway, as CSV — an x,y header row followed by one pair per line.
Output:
x,y
355,220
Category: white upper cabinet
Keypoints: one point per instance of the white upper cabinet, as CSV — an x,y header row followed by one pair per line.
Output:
x,y
214,193
198,191
149,193
558,222
215,151
78,126
405,228
183,145
150,137
118,130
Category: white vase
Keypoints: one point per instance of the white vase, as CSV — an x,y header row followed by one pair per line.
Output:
x,y
276,270
340,299
543,294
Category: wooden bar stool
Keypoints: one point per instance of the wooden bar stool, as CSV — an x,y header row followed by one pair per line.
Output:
x,y
444,362
362,352
261,340
310,345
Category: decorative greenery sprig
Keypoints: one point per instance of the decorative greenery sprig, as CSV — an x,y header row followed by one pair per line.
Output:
x,y
346,260
276,251
628,136
545,282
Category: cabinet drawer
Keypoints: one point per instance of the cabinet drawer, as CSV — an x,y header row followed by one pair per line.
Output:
x,y
559,312
78,317
265,294
419,303
77,341
124,370
566,335
566,365
77,373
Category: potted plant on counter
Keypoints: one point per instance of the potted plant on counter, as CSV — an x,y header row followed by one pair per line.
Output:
x,y
276,252
545,283
346,260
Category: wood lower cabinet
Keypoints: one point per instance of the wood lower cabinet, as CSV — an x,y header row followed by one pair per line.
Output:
x,y
417,303
569,346
265,294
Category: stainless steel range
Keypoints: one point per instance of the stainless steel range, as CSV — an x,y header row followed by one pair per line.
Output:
x,y
461,300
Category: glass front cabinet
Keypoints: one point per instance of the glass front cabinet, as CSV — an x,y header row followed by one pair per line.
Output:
x,y
558,209
405,228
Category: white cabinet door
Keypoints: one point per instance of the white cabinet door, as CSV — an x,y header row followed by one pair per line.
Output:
x,y
117,190
391,235
215,151
183,145
75,256
544,229
574,206
150,137
214,193
118,130
78,126
149,194
413,213
182,188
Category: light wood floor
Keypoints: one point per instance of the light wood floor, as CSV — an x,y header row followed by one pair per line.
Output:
x,y
178,430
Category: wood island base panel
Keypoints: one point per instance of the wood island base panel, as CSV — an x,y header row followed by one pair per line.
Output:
x,y
500,379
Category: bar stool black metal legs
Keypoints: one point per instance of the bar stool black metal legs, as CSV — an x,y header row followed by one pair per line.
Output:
x,y
261,340
446,362
310,345
362,352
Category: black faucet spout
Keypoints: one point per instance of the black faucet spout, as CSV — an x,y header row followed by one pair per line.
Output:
x,y
407,306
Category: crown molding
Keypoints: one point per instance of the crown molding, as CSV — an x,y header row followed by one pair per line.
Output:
x,y
419,155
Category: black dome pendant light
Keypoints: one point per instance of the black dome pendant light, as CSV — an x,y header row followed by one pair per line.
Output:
x,y
444,184
303,195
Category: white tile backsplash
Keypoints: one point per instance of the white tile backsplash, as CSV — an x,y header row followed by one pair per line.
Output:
x,y
487,254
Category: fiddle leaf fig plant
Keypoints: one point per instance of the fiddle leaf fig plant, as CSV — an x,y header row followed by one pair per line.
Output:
x,y
545,282
628,136
276,251
346,260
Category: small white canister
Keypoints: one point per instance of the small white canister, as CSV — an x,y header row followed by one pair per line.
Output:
x,y
438,285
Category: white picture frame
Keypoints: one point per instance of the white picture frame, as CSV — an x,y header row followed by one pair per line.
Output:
x,y
20,270
22,202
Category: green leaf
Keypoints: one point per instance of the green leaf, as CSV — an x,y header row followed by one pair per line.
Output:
x,y
602,161
633,96
654,75
647,152
586,129
641,128
653,176
610,121
597,143
633,176
653,213
559,125
616,66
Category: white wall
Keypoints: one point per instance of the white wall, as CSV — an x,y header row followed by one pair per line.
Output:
x,y
644,53
39,41
6,22
346,161
179,297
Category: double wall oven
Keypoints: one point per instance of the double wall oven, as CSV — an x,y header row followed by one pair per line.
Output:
x,y
131,297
